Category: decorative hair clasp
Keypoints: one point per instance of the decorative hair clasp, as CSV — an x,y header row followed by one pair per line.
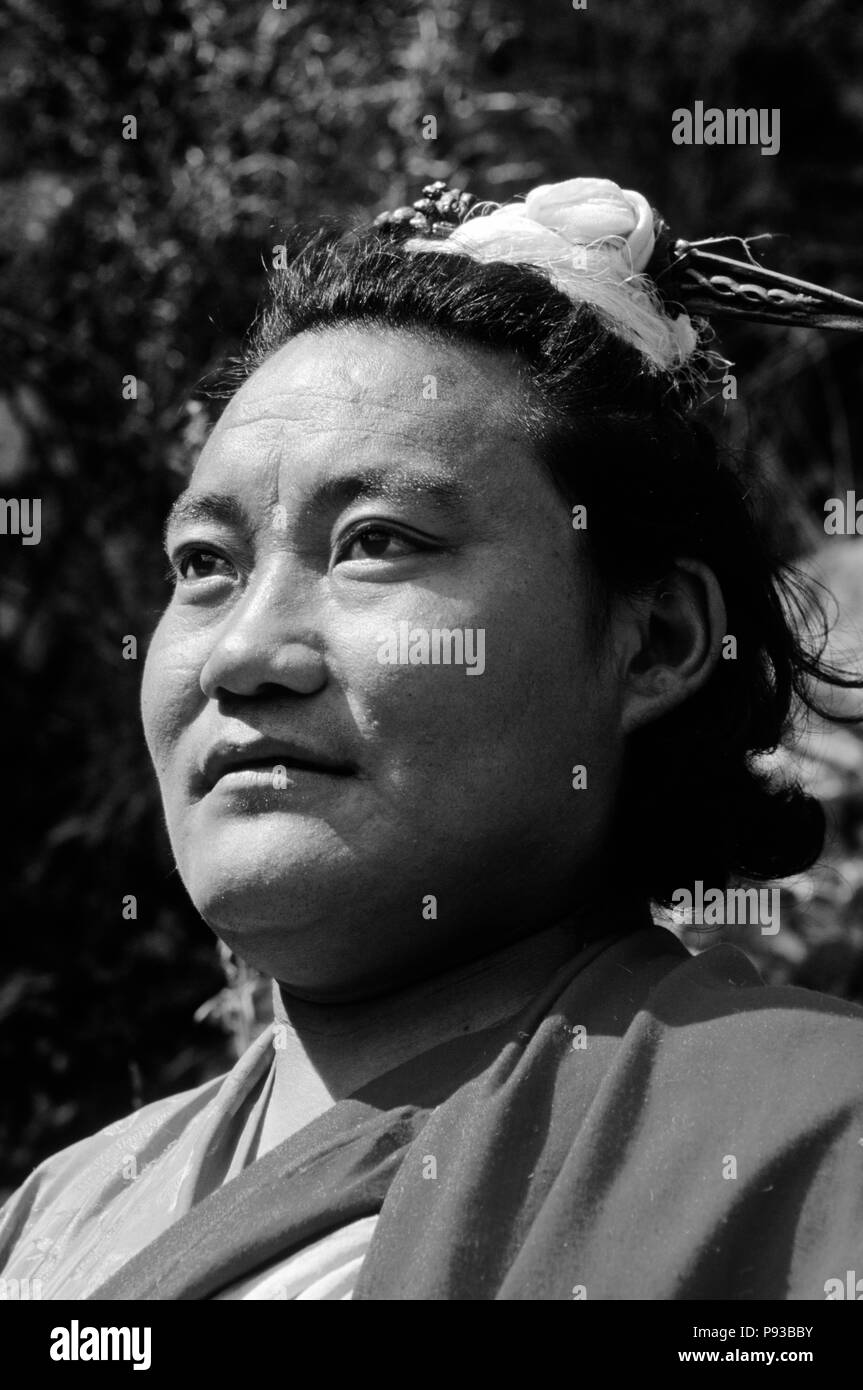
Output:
x,y
434,214
719,286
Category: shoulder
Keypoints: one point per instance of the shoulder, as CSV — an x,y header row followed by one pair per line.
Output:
x,y
720,1066
718,1001
99,1200
702,1041
99,1157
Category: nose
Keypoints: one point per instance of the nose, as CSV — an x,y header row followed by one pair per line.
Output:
x,y
264,642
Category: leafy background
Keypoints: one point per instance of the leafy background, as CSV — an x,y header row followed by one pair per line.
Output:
x,y
148,257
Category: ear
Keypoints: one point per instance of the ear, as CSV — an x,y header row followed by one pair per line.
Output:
x,y
669,643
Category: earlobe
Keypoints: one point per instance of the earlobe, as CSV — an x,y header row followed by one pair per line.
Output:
x,y
675,640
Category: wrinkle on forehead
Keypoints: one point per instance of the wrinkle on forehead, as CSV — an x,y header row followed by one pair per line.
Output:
x,y
383,372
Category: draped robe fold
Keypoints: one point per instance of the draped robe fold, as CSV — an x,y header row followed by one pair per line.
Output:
x,y
653,1126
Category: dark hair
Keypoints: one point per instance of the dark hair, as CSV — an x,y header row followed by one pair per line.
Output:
x,y
624,442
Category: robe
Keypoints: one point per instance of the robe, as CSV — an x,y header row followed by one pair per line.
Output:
x,y
654,1125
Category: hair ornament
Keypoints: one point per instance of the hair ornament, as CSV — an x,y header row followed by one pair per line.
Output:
x,y
604,245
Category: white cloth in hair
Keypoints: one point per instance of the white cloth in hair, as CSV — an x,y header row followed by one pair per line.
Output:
x,y
593,240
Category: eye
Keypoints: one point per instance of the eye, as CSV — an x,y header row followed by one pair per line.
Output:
x,y
376,543
198,564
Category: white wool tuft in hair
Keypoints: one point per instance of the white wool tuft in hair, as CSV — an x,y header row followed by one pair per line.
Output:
x,y
597,273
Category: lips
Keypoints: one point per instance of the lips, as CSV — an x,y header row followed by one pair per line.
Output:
x,y
263,755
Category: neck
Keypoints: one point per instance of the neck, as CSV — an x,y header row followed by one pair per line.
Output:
x,y
329,1051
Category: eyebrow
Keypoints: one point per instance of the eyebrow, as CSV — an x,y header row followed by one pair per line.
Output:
x,y
205,506
444,490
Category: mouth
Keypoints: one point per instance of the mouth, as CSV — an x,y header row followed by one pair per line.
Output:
x,y
273,766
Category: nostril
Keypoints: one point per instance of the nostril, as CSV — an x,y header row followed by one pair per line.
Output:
x,y
246,669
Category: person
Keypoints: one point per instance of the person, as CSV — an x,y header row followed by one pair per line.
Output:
x,y
441,707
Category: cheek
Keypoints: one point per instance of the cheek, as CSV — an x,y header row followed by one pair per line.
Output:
x,y
170,691
524,697
414,668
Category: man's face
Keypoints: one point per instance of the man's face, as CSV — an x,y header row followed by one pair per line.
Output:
x,y
347,811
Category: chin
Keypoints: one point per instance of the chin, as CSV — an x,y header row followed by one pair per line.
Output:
x,y
242,894
247,880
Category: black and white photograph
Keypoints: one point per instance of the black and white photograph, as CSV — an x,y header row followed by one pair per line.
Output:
x,y
431,459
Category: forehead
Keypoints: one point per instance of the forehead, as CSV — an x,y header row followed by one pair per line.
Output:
x,y
378,394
